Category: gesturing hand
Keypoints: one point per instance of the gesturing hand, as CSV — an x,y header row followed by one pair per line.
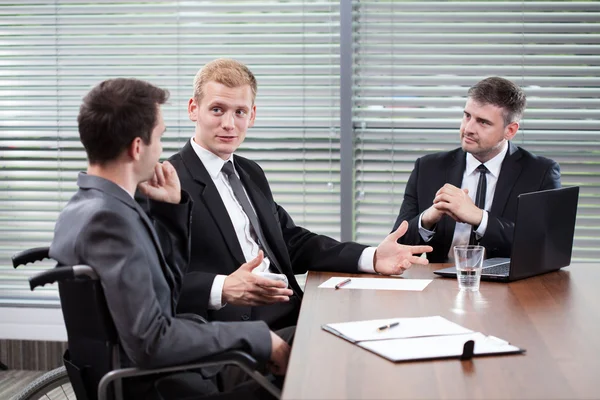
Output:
x,y
164,185
245,288
392,258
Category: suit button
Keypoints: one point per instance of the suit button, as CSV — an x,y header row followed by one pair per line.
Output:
x,y
245,317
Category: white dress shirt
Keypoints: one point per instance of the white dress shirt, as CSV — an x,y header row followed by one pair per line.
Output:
x,y
243,230
462,231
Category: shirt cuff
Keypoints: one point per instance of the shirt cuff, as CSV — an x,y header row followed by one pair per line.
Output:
x,y
215,302
426,234
365,262
480,231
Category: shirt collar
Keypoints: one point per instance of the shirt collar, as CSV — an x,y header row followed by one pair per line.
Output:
x,y
126,191
492,165
212,162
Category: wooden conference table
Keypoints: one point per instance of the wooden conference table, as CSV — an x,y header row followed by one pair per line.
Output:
x,y
555,317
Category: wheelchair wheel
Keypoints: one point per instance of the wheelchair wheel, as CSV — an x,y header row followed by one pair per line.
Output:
x,y
52,385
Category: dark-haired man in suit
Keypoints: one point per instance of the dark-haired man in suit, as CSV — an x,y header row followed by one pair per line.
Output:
x,y
233,199
140,264
469,195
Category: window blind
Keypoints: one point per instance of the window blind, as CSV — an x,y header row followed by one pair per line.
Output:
x,y
53,52
413,64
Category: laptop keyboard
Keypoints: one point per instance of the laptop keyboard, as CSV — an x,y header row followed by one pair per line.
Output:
x,y
501,269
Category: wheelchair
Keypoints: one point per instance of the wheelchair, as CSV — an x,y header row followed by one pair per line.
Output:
x,y
92,370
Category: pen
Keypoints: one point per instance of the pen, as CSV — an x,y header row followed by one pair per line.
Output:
x,y
342,283
388,326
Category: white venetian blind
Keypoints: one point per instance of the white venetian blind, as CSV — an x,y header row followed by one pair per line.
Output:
x,y
53,52
414,62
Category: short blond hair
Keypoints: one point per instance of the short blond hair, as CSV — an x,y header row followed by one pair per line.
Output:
x,y
225,71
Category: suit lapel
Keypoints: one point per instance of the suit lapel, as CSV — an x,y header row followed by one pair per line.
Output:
x,y
208,194
269,226
262,207
454,176
88,181
167,272
510,171
163,263
456,168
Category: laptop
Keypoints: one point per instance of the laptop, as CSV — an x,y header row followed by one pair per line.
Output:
x,y
543,237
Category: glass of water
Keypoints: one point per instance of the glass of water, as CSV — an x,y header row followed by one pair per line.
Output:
x,y
468,261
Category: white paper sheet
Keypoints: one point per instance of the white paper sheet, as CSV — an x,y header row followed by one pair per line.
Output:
x,y
407,328
377,283
436,346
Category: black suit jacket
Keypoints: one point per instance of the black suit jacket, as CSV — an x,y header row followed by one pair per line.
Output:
x,y
216,249
521,172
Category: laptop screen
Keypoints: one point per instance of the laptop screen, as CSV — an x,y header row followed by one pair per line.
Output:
x,y
544,229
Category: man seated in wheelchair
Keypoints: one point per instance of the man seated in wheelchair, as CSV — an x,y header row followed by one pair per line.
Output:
x,y
140,257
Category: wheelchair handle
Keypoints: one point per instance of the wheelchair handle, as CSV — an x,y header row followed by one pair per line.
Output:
x,y
61,274
30,255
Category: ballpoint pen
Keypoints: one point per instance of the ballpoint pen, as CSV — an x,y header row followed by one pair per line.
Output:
x,y
342,283
388,326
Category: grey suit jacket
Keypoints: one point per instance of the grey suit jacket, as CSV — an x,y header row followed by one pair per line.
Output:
x,y
102,226
521,172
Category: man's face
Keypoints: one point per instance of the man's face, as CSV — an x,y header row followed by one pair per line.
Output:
x,y
482,130
222,117
151,152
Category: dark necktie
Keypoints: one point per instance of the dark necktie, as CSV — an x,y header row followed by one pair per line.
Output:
x,y
481,187
480,195
240,194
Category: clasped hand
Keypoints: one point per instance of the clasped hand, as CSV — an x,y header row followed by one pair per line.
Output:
x,y
457,204
243,288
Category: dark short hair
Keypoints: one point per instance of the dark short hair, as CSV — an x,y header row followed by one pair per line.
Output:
x,y
114,113
502,93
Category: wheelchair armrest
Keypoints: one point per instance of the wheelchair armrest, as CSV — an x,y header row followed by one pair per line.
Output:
x,y
61,273
30,255
193,317
243,360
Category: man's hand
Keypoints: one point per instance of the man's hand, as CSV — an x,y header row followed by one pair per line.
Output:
x,y
392,258
430,217
164,185
243,288
280,355
457,204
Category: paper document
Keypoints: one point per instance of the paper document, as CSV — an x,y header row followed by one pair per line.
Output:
x,y
406,328
404,339
377,283
437,347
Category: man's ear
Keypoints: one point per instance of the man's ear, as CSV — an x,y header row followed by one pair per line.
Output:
x,y
252,116
134,151
193,110
511,130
